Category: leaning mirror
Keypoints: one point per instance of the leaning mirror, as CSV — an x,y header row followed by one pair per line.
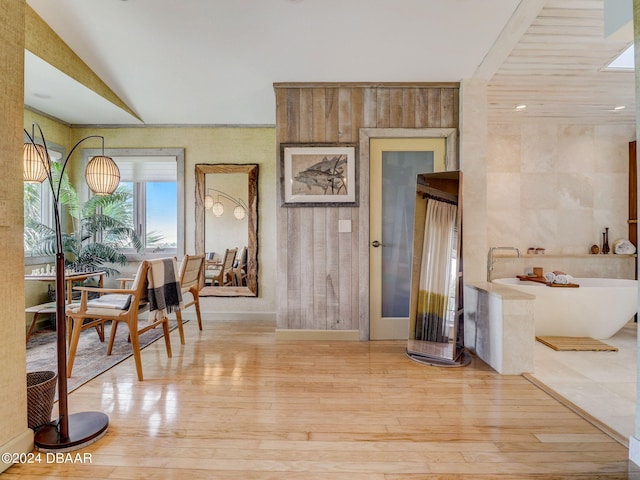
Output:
x,y
227,228
436,310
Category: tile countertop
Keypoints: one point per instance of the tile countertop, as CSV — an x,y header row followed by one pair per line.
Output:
x,y
501,290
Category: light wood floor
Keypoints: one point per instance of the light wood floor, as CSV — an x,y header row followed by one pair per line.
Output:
x,y
235,403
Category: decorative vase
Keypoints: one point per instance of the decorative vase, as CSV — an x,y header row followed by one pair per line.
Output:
x,y
605,241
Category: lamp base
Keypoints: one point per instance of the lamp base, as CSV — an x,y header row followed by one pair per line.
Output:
x,y
85,428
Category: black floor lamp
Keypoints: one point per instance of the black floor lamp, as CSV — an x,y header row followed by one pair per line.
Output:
x,y
68,432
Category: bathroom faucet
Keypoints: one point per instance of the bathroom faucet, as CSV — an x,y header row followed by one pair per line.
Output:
x,y
491,261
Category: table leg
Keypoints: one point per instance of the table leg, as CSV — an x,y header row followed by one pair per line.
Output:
x,y
69,291
33,324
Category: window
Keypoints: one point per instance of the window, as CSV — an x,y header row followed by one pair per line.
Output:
x,y
154,180
38,207
35,212
152,184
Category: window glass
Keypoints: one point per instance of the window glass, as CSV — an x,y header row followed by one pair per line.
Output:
x,y
128,207
33,194
153,184
399,172
161,215
38,208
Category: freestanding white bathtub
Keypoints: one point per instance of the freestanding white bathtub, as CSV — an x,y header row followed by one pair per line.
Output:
x,y
599,308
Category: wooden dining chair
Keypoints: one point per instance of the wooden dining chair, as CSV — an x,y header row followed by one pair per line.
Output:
x,y
117,305
223,278
240,270
191,270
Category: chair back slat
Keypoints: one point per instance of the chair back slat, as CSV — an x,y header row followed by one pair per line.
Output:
x,y
190,270
240,271
243,258
140,282
227,268
229,257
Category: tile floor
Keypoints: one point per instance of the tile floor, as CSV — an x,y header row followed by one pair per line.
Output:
x,y
601,383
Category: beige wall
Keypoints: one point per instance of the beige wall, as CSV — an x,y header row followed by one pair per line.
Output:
x,y
14,434
201,145
557,187
546,185
214,145
473,163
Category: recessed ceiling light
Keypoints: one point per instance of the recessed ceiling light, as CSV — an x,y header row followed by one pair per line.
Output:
x,y
620,107
43,96
522,106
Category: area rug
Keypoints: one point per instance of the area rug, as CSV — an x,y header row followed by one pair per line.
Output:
x,y
91,356
576,344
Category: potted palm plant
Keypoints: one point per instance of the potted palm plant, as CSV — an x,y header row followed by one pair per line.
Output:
x,y
101,227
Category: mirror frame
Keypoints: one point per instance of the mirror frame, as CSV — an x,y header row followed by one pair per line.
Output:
x,y
202,169
445,185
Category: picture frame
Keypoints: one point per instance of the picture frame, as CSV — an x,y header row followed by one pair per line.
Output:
x,y
319,174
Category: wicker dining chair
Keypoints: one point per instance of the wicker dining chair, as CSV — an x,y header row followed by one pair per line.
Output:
x,y
118,305
191,270
224,278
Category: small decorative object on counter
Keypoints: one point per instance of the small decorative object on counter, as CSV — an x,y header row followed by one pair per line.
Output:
x,y
531,251
623,247
595,249
605,241
540,251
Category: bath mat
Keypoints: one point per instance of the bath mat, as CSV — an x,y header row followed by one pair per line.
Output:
x,y
576,344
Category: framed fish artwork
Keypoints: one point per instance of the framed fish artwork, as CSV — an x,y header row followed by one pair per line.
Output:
x,y
319,174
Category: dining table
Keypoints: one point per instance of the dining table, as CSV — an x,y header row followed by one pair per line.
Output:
x,y
70,278
42,275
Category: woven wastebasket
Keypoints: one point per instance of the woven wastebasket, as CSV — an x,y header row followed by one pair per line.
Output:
x,y
41,390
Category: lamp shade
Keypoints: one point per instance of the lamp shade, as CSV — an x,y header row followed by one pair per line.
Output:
x,y
217,209
208,201
35,163
102,175
239,212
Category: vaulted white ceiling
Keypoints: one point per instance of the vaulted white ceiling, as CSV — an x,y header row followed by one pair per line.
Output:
x,y
215,61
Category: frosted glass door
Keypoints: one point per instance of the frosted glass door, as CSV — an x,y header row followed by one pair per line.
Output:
x,y
394,166
399,173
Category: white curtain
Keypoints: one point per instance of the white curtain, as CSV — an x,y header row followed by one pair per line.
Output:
x,y
436,271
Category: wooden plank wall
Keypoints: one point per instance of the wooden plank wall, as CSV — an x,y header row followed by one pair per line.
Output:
x,y
317,277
